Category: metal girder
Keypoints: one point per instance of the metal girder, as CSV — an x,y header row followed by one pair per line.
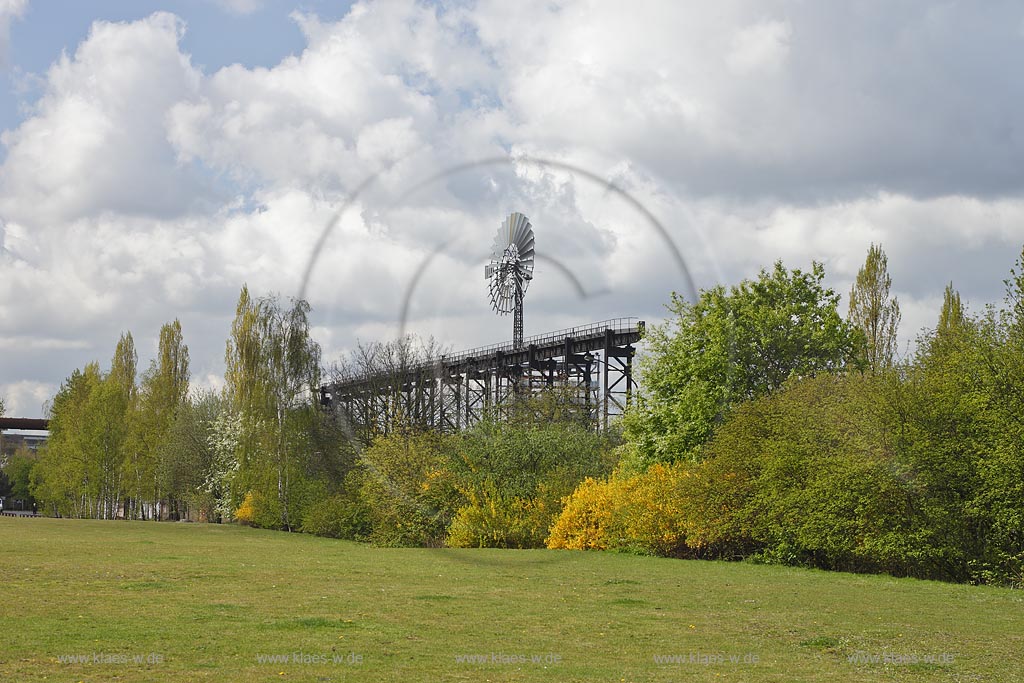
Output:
x,y
595,362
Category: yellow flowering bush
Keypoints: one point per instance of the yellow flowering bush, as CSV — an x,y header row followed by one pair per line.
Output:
x,y
499,522
246,512
645,512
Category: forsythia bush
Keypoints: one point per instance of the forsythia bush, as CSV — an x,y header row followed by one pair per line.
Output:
x,y
587,516
645,513
498,522
246,512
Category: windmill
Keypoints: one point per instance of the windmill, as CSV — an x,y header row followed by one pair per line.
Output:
x,y
510,270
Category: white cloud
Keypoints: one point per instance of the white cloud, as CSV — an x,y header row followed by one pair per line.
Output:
x,y
240,6
26,398
22,343
140,189
760,47
95,141
9,11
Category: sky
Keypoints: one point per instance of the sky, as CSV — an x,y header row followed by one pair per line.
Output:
x,y
156,156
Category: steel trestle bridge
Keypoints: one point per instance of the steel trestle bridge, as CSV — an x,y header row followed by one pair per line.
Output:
x,y
593,363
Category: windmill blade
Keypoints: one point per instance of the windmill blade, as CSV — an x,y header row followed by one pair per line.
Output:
x,y
526,247
523,229
510,269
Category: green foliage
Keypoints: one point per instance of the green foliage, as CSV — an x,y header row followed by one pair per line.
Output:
x,y
187,454
873,312
61,481
965,410
823,487
18,471
152,472
338,516
272,374
730,346
108,454
1015,296
407,489
515,472
952,317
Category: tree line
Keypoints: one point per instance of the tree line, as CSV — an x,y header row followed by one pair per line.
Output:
x,y
771,430
770,426
125,445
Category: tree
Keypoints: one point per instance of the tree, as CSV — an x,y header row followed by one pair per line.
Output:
x,y
17,470
272,377
163,393
874,312
65,479
729,346
107,427
1015,294
187,452
952,317
383,366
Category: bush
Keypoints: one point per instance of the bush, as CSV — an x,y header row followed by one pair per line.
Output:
x,y
515,474
586,519
498,522
407,490
815,481
246,512
645,513
338,517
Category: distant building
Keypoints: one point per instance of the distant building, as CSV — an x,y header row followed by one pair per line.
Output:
x,y
10,443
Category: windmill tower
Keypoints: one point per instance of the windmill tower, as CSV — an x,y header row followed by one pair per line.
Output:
x,y
510,271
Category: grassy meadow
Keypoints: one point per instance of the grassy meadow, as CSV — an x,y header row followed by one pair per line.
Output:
x,y
196,602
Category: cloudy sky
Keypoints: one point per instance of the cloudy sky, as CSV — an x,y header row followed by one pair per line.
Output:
x,y
155,156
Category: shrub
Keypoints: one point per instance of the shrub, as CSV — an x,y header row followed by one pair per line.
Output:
x,y
498,522
586,518
407,490
246,512
644,513
515,474
338,517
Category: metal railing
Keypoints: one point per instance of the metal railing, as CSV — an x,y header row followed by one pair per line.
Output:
x,y
613,324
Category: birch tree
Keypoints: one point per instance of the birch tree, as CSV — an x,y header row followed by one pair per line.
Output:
x,y
272,376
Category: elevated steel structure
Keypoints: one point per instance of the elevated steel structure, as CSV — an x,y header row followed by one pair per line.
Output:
x,y
26,423
594,363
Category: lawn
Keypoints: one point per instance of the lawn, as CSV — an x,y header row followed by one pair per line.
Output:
x,y
197,602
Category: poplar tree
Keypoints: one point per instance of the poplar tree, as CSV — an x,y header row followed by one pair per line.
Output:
x,y
874,312
951,317
1015,295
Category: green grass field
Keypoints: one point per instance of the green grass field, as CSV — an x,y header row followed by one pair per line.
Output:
x,y
209,602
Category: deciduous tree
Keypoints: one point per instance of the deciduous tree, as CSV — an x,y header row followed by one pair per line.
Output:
x,y
732,345
874,312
